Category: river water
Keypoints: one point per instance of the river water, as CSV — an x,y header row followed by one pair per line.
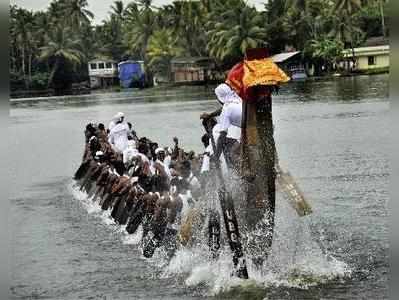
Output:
x,y
330,134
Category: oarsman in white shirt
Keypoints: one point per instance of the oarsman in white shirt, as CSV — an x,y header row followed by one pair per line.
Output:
x,y
130,156
225,95
118,136
160,165
231,116
229,123
161,173
115,119
168,158
193,182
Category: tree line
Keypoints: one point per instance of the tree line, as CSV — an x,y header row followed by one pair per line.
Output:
x,y
51,48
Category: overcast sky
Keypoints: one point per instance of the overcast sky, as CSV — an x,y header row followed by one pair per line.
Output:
x,y
100,8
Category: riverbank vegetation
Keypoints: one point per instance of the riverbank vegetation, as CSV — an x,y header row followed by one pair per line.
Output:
x,y
51,48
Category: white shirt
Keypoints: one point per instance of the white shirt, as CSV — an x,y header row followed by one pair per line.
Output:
x,y
206,162
152,168
215,132
234,132
129,153
111,125
209,149
145,163
166,168
225,94
231,115
167,160
118,136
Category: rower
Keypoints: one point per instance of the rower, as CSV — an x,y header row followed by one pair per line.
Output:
x,y
115,119
143,171
90,131
209,154
227,132
194,186
94,171
230,118
162,173
176,150
130,156
118,135
94,146
225,95
101,133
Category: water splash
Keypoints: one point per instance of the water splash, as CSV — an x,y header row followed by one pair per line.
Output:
x,y
133,239
296,260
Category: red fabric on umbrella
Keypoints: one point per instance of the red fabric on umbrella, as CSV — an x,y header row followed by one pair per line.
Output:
x,y
256,72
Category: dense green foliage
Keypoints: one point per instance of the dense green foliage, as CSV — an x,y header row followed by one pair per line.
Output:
x,y
55,45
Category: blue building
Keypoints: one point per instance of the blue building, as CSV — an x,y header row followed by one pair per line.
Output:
x,y
132,74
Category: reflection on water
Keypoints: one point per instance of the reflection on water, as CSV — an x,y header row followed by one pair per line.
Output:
x,y
330,134
358,88
154,95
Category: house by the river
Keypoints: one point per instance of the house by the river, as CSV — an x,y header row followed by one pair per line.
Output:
x,y
102,73
292,63
373,57
192,70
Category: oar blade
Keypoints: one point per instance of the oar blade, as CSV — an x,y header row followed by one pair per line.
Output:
x,y
296,198
233,234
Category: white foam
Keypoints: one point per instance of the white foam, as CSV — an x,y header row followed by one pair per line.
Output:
x,y
296,258
133,239
216,274
185,260
91,207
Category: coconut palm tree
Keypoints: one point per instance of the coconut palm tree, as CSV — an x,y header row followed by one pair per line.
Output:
x,y
187,20
304,20
382,4
131,11
41,24
346,22
144,4
140,23
278,36
298,24
118,9
162,48
77,12
61,48
345,11
235,30
22,33
56,10
297,4
110,39
347,7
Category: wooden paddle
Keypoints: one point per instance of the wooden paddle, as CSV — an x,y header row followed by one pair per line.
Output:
x,y
229,216
293,193
284,180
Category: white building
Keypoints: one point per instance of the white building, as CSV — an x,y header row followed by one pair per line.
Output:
x,y
367,58
102,73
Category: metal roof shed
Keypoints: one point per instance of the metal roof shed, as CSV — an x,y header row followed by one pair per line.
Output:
x,y
282,57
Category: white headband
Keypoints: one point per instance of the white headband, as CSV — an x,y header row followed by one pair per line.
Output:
x,y
226,95
159,150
